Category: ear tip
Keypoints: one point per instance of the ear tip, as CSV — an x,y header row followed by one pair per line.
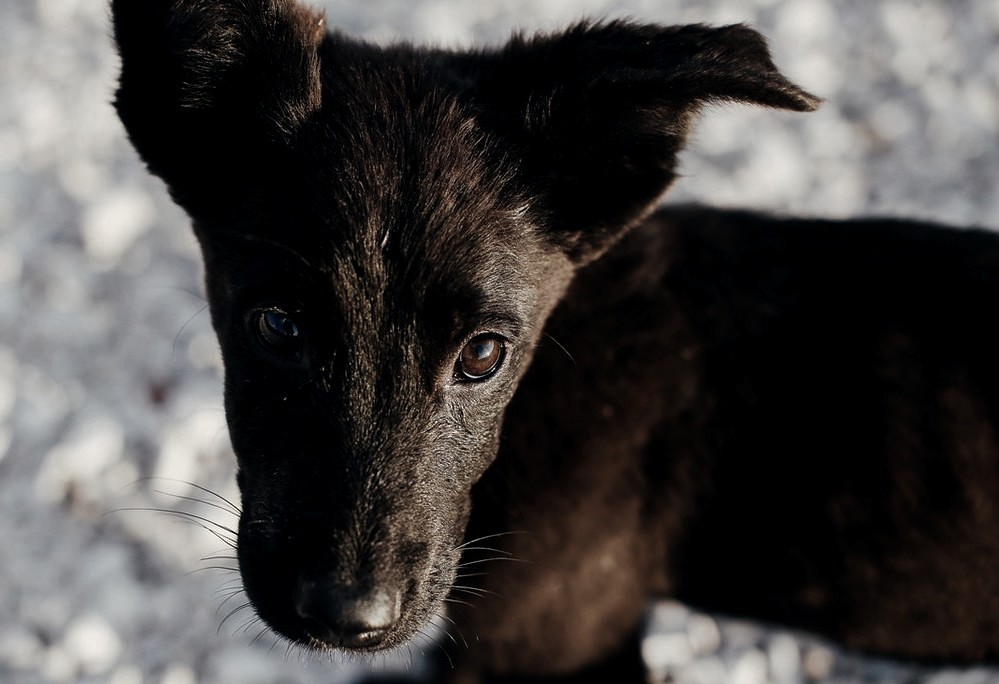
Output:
x,y
803,101
752,46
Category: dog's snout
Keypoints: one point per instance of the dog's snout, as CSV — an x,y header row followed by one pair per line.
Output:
x,y
346,616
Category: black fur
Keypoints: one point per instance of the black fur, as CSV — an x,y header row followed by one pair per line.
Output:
x,y
792,420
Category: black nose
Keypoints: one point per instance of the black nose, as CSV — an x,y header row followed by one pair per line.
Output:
x,y
346,616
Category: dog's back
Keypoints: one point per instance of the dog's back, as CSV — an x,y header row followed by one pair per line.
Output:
x,y
810,408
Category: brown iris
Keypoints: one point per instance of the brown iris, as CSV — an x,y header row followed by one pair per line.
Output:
x,y
481,357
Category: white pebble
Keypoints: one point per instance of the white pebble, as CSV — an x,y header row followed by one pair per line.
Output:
x,y
805,21
785,659
81,178
78,461
892,120
20,649
203,351
8,380
11,266
127,674
750,668
668,616
704,671
92,642
58,666
818,662
112,224
703,634
179,674
185,445
664,652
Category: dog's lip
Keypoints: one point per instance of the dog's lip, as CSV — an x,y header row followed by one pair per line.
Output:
x,y
364,641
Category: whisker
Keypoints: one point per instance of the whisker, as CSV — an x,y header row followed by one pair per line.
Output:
x,y
444,617
562,347
212,567
439,645
176,338
487,536
228,592
468,575
474,591
486,548
259,636
428,639
479,561
227,599
444,631
247,625
451,599
231,585
235,509
232,612
192,519
453,624
194,499
184,514
220,558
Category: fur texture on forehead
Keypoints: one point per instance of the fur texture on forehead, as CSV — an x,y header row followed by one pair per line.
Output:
x,y
404,166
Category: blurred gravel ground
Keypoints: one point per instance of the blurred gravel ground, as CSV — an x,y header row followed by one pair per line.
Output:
x,y
109,372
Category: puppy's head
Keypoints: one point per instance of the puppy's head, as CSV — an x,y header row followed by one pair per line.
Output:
x,y
385,232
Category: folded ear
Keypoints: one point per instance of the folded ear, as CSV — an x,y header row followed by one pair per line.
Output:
x,y
204,83
597,114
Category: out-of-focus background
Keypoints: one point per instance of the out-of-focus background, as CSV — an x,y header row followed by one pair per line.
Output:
x,y
109,370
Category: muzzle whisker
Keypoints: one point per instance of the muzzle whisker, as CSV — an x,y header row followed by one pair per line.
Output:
x,y
259,635
224,568
220,558
237,609
229,506
474,591
451,599
201,521
486,548
479,561
483,538
247,625
204,502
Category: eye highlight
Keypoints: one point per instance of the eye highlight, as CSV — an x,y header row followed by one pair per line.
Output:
x,y
278,333
480,358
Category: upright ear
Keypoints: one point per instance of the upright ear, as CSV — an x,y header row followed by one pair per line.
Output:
x,y
597,114
206,85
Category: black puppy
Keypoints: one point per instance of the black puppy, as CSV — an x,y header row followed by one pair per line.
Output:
x,y
428,367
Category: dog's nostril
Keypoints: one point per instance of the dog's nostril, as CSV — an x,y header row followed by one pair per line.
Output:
x,y
346,616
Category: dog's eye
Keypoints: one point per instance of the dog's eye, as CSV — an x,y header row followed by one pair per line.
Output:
x,y
279,333
480,358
